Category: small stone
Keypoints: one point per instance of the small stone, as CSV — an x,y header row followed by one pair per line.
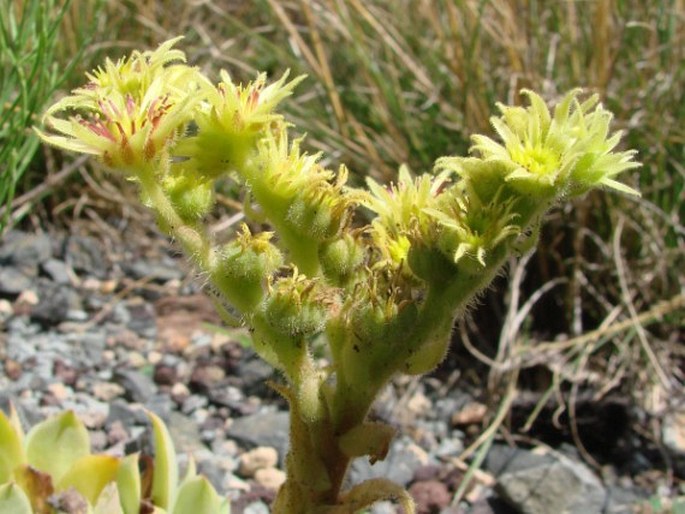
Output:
x,y
127,339
59,391
430,496
108,286
28,297
154,357
76,316
12,369
116,433
179,392
136,360
471,414
94,418
13,281
200,415
84,254
262,429
157,272
142,318
193,403
25,250
270,478
258,458
139,388
107,391
539,484
165,375
257,507
5,308
58,271
205,378
399,466
98,441
55,303
419,404
64,372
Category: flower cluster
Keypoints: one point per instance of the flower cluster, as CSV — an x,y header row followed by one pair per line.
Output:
x,y
373,278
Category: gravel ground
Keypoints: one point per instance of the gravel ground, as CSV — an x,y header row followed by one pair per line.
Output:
x,y
109,329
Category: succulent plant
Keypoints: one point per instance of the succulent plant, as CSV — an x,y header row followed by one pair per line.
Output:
x,y
384,293
51,470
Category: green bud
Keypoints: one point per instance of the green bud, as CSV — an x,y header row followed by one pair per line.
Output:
x,y
313,219
340,259
293,311
191,198
294,308
243,268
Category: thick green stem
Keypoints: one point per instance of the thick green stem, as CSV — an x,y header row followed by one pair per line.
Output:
x,y
193,239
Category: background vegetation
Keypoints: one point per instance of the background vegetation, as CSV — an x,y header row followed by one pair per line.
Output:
x,y
598,309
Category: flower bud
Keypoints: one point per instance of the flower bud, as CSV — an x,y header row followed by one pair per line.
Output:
x,y
244,266
340,259
192,199
293,307
312,218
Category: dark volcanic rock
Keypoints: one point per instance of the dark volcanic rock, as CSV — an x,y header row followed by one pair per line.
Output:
x,y
139,387
262,429
539,484
26,251
85,256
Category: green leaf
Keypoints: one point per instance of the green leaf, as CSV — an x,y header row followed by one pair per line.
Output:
x,y
13,500
191,472
109,501
11,452
55,444
128,484
197,496
89,475
372,439
225,507
165,476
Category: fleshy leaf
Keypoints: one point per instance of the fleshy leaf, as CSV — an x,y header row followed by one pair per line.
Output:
x,y
11,452
129,485
55,444
371,491
197,496
13,500
165,476
372,439
109,501
89,475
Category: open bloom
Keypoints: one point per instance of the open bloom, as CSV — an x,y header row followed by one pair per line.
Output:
x,y
568,152
401,210
231,120
129,111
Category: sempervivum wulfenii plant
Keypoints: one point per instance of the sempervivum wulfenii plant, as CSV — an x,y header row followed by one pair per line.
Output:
x,y
51,470
384,294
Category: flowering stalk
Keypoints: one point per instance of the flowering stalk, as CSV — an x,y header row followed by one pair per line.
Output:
x,y
384,294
